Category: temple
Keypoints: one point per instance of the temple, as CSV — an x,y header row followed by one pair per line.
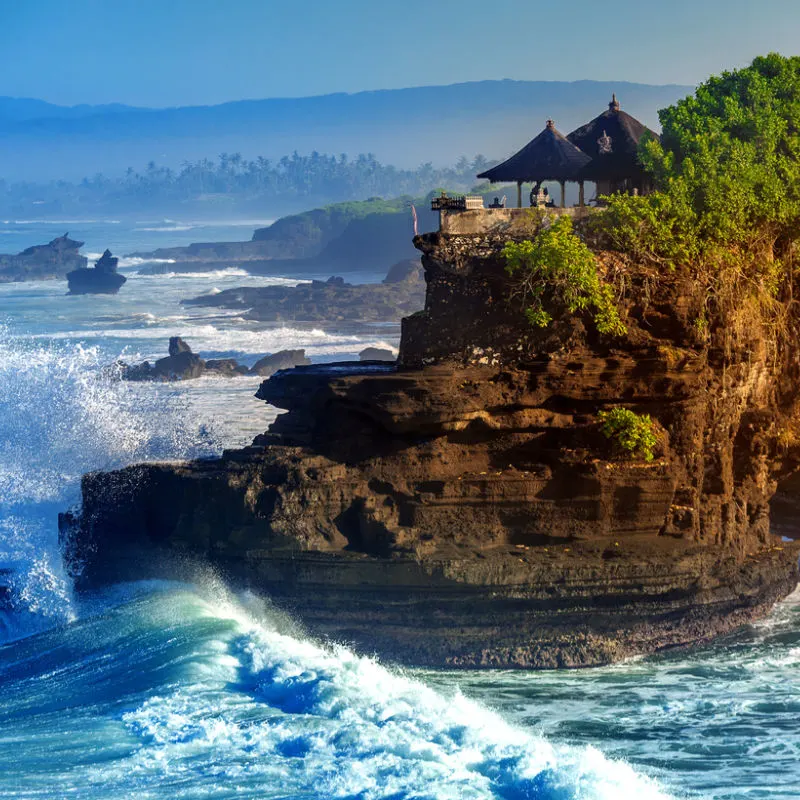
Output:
x,y
603,152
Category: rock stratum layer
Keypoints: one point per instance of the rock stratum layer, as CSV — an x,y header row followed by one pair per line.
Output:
x,y
461,507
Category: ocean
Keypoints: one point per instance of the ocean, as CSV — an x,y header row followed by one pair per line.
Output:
x,y
191,690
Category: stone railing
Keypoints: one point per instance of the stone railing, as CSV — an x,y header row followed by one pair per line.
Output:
x,y
469,202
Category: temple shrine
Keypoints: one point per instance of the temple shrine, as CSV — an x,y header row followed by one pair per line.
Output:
x,y
603,152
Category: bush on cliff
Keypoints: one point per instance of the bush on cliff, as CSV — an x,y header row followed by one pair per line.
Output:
x,y
556,266
726,172
631,433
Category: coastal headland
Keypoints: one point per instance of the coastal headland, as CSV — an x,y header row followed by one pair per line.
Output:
x,y
574,458
463,508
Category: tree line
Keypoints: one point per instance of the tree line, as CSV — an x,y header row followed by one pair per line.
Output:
x,y
232,181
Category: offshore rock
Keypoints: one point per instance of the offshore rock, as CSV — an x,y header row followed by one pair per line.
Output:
x,y
461,507
377,354
283,359
102,279
182,364
401,292
43,261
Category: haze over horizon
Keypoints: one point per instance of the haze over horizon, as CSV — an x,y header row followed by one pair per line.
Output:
x,y
203,52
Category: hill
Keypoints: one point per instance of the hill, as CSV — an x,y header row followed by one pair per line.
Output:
x,y
404,127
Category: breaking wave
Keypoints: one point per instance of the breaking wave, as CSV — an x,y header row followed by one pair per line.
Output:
x,y
193,692
61,415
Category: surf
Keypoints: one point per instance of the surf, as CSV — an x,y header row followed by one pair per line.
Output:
x,y
194,690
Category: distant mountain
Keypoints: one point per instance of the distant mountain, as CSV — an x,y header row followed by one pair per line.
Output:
x,y
25,109
406,127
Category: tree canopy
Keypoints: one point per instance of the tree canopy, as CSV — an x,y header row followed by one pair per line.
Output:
x,y
726,170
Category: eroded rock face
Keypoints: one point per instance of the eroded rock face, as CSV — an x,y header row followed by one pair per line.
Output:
x,y
462,508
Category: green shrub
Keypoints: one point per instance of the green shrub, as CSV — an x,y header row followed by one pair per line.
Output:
x,y
558,266
631,433
727,176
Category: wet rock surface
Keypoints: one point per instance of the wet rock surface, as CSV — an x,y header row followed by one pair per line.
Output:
x,y
461,507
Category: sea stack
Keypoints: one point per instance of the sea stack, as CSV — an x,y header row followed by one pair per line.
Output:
x,y
464,506
102,279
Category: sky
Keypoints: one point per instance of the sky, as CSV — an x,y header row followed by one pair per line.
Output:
x,y
193,52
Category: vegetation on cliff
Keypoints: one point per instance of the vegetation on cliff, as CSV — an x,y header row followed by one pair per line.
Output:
x,y
631,433
556,266
727,177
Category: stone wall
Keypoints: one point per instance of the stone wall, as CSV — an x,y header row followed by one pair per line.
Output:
x,y
513,222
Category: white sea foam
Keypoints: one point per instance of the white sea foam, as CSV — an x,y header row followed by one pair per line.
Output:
x,y
126,262
358,728
168,228
205,337
62,416
62,222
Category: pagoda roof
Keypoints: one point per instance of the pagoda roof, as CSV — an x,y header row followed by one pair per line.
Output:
x,y
612,142
548,157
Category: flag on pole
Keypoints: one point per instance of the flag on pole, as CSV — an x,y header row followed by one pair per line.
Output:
x,y
416,221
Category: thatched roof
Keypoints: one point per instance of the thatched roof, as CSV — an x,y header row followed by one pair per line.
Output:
x,y
612,141
548,157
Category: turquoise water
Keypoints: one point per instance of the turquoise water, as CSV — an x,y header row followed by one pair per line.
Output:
x,y
155,690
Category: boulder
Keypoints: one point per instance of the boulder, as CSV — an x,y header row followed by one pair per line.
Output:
x,y
180,367
177,345
226,367
283,359
377,354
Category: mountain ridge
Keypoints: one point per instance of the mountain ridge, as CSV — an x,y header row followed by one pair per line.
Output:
x,y
401,126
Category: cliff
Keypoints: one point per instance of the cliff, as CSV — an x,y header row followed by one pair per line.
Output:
x,y
43,261
464,508
358,236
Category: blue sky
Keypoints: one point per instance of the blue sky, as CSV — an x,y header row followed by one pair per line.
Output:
x,y
179,52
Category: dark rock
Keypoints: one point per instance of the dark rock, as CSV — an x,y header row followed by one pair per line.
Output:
x,y
177,345
331,300
461,507
43,262
180,367
103,279
376,354
182,364
283,359
226,367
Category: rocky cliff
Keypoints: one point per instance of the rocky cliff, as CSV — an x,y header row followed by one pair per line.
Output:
x,y
463,508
